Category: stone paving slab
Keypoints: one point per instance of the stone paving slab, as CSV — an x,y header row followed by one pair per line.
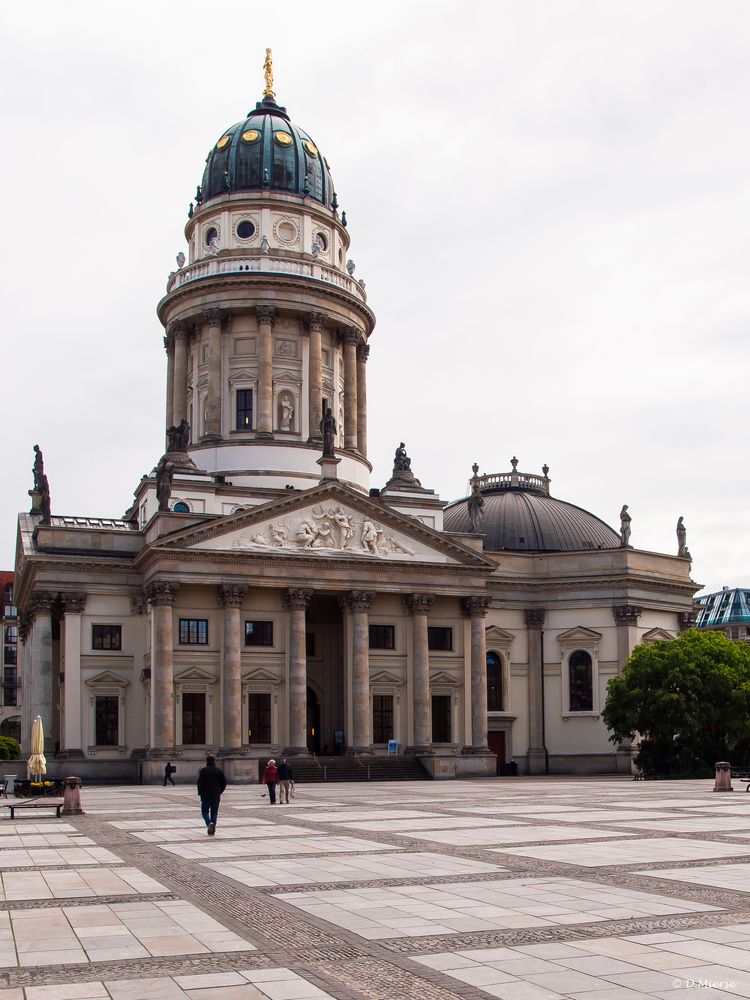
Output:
x,y
224,831
733,877
510,835
629,852
63,856
206,850
15,886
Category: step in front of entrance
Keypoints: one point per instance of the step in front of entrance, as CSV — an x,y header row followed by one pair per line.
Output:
x,y
320,769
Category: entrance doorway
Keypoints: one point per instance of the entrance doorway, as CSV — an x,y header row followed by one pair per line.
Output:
x,y
496,743
313,722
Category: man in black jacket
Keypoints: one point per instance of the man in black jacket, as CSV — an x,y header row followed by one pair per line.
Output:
x,y
286,779
211,783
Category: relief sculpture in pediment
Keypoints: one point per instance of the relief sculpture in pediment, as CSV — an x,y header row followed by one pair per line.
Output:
x,y
331,528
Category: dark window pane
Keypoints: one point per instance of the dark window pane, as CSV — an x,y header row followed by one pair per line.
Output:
x,y
580,675
106,636
441,718
494,683
193,719
10,654
440,638
244,410
382,718
258,633
11,727
382,637
259,718
194,631
106,730
310,644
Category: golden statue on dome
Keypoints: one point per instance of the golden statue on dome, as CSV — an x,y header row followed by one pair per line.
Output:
x,y
268,93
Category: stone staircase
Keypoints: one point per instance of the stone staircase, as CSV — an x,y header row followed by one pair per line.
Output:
x,y
309,770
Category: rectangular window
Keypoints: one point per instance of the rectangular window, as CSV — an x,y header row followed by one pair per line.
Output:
x,y
194,631
382,718
107,722
10,686
259,718
440,639
441,718
193,719
259,633
106,636
244,410
382,637
10,654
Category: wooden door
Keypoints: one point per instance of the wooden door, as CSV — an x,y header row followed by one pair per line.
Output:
x,y
496,742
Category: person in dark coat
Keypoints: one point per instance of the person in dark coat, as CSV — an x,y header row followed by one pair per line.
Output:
x,y
286,780
168,769
211,783
270,779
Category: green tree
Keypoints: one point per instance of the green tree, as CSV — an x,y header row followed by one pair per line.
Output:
x,y
10,748
688,700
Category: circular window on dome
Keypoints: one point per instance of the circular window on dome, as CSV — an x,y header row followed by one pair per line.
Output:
x,y
245,229
286,231
322,241
252,135
212,233
223,142
311,148
283,138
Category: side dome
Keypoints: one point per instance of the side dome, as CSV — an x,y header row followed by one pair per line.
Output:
x,y
266,152
519,515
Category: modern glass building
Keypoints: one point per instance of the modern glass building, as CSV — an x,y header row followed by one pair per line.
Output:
x,y
727,611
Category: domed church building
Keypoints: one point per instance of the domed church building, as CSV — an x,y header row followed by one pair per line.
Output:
x,y
259,596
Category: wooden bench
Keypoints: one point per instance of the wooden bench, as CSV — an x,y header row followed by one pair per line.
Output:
x,y
42,803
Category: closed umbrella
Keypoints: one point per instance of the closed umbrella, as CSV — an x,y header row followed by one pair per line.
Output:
x,y
37,761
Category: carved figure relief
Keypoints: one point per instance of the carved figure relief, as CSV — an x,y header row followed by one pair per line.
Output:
x,y
328,527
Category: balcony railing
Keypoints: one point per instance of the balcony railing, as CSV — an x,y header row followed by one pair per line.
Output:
x,y
513,480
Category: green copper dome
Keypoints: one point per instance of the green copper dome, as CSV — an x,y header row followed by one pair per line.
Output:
x,y
266,152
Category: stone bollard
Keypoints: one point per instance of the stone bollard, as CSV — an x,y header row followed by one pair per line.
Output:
x,y
723,782
72,797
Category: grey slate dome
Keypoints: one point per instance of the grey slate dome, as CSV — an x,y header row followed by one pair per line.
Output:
x,y
266,152
519,515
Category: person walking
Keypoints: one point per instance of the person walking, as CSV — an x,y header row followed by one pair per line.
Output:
x,y
211,784
286,780
168,769
270,778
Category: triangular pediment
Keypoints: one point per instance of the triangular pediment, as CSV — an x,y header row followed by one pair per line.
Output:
x,y
657,635
385,677
579,634
195,674
107,678
260,674
444,677
330,521
496,636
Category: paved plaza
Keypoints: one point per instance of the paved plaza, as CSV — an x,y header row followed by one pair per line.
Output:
x,y
525,889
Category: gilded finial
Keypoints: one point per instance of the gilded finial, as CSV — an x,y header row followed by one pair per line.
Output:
x,y
268,93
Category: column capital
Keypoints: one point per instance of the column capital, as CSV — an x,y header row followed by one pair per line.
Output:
x,y
535,618
231,595
161,592
73,604
25,622
475,607
315,321
138,604
360,600
687,619
363,353
626,614
265,314
296,598
418,604
177,329
215,316
350,335
41,600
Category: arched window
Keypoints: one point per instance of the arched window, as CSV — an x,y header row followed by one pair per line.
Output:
x,y
581,681
11,727
494,683
181,508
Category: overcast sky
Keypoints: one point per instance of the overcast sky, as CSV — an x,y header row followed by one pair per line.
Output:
x,y
548,201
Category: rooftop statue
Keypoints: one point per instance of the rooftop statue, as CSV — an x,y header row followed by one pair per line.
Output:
x,y
40,498
38,467
682,549
476,501
178,437
164,475
402,474
625,520
328,433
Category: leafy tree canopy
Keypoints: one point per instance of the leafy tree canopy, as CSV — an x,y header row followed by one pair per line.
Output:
x,y
688,700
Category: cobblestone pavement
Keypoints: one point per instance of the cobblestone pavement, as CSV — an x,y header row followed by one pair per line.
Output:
x,y
526,889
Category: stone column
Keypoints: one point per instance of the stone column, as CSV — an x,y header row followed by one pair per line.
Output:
x,y
297,602
626,617
179,403
315,398
41,688
476,609
72,741
350,339
536,753
161,596
214,319
419,606
363,354
169,348
231,596
266,316
359,602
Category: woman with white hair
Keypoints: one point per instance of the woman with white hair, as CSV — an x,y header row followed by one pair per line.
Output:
x,y
271,779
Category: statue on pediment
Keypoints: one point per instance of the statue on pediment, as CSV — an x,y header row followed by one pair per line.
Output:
x,y
328,433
